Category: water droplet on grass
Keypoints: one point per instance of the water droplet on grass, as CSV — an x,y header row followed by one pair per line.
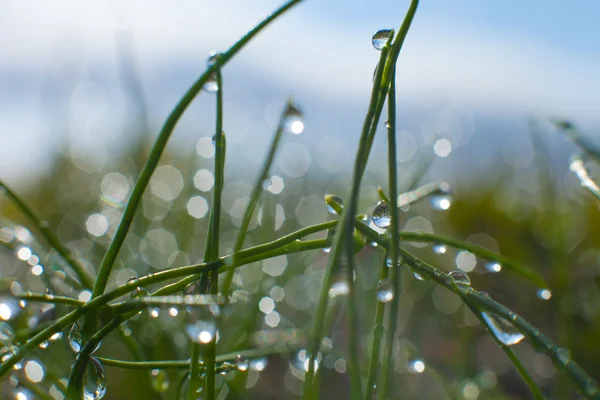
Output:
x,y
417,276
293,119
95,380
385,291
77,339
504,330
339,288
381,215
337,200
6,334
380,38
460,277
211,85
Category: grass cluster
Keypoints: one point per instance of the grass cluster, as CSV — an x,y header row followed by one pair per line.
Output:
x,y
205,292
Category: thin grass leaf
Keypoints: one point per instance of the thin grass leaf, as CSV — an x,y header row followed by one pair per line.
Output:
x,y
51,238
578,138
160,144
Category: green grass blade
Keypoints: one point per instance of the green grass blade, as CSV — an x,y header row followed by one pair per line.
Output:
x,y
160,144
511,265
42,226
394,241
255,193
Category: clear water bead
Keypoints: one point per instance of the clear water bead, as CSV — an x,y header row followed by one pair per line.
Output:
x,y
95,380
380,38
76,338
211,85
381,215
293,119
338,201
460,277
339,288
385,291
504,330
6,334
418,277
212,58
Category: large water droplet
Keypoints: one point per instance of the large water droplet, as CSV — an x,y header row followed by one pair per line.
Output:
x,y
9,351
293,119
460,277
385,291
76,338
544,294
380,38
381,215
504,330
337,200
6,334
95,380
160,380
211,85
493,267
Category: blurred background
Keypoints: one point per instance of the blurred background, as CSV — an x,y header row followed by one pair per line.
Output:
x,y
85,88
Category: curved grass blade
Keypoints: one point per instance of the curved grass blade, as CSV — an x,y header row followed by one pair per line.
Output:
x,y
160,144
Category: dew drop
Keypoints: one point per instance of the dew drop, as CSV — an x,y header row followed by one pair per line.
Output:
x,y
381,215
544,294
460,277
330,235
338,201
160,380
591,387
439,248
44,345
504,330
76,338
6,334
154,312
380,38
293,119
212,58
385,291
95,380
417,276
241,363
211,85
564,355
493,267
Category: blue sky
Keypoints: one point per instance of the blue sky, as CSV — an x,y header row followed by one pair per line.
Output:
x,y
480,61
